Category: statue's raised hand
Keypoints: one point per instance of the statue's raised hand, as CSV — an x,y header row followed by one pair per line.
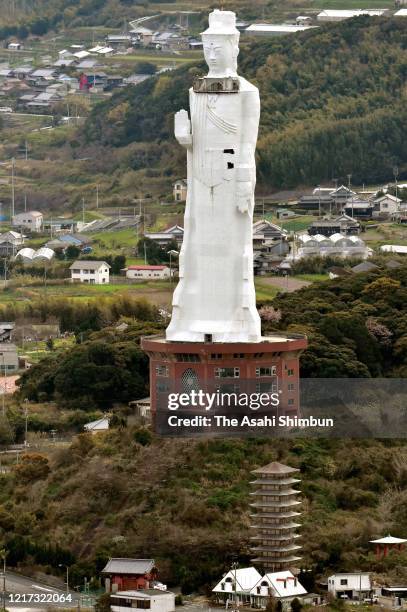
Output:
x,y
182,128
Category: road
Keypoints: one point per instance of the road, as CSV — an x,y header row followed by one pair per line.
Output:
x,y
24,593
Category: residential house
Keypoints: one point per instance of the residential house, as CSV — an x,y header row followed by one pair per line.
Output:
x,y
270,246
337,225
180,188
386,206
246,586
91,272
283,586
8,357
142,35
352,585
155,600
147,272
15,46
174,233
95,427
237,583
322,202
122,574
364,267
358,209
31,220
60,225
119,40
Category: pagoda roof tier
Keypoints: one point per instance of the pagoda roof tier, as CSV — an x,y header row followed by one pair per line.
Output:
x,y
282,538
283,526
275,561
289,503
274,481
275,468
278,515
284,493
275,548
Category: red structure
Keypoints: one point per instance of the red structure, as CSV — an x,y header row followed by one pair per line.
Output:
x,y
270,365
386,544
129,574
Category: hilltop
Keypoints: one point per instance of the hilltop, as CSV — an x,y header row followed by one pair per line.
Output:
x,y
333,103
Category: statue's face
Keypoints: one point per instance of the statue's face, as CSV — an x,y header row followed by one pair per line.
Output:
x,y
220,54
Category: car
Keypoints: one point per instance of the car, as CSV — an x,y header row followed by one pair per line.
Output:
x,y
6,109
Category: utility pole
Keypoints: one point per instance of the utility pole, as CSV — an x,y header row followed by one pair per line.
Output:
x,y
26,425
395,174
13,161
145,253
5,272
26,150
83,211
25,202
319,201
3,555
97,196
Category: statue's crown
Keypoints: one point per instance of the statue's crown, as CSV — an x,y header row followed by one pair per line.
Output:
x,y
222,22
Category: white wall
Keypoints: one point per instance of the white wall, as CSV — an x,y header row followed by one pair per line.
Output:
x,y
98,277
148,274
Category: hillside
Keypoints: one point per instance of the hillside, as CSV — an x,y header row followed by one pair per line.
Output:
x,y
333,103
128,492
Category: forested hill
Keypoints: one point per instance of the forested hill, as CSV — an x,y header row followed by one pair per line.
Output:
x,y
333,103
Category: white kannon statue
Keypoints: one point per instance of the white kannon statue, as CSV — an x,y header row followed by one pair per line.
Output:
x,y
215,298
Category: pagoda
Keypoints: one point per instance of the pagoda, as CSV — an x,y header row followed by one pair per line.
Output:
x,y
275,503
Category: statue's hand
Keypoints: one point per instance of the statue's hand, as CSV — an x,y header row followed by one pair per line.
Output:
x,y
244,196
182,128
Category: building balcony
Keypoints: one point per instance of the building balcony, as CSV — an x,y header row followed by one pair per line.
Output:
x,y
275,504
275,481
271,492
276,549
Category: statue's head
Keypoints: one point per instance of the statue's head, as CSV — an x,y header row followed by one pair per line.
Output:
x,y
221,44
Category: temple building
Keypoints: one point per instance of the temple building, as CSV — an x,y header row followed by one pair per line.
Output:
x,y
384,545
275,503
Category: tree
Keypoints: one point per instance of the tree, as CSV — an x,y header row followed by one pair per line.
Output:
x,y
72,252
6,432
32,467
296,605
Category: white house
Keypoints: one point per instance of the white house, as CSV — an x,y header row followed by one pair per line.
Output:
x,y
92,272
281,585
31,220
386,206
237,583
353,585
248,586
154,600
95,426
148,272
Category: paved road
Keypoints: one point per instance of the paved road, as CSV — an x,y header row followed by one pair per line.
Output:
x,y
25,593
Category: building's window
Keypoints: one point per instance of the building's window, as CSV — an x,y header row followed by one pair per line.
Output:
x,y
344,581
142,604
188,357
161,370
291,402
291,387
227,372
216,356
238,355
290,372
266,371
76,271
